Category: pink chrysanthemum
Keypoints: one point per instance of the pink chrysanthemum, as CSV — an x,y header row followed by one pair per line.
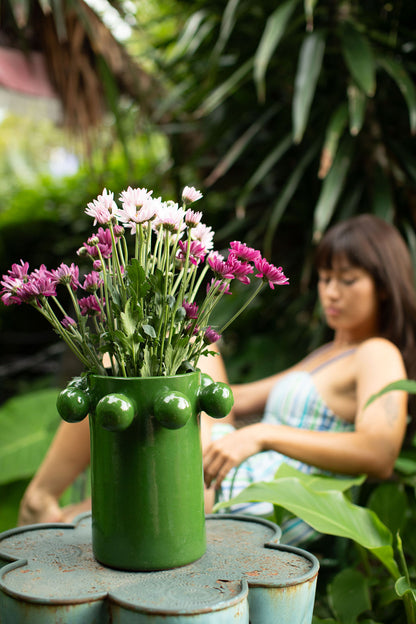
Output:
x,y
240,270
192,218
190,195
271,274
135,196
244,253
220,267
169,217
102,239
204,235
92,282
68,322
196,251
191,310
211,336
65,274
89,305
102,208
20,271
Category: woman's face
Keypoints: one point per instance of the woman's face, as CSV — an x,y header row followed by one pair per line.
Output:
x,y
349,299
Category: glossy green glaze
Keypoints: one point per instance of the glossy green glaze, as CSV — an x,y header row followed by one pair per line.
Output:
x,y
146,470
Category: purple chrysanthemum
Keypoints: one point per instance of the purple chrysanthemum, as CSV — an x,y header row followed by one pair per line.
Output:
x,y
240,270
211,336
219,287
65,274
89,305
92,281
271,274
220,267
68,322
191,310
196,251
244,253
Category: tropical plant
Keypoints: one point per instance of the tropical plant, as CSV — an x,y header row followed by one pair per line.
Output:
x,y
324,503
297,114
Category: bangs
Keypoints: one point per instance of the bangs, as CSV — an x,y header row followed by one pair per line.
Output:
x,y
337,246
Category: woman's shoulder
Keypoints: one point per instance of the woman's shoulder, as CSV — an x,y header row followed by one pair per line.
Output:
x,y
378,351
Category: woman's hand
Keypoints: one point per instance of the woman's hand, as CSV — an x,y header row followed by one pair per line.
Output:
x,y
224,454
38,505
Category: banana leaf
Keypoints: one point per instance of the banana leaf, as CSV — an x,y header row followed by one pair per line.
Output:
x,y
335,128
227,24
407,385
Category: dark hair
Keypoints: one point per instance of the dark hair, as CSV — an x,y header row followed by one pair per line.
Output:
x,y
376,246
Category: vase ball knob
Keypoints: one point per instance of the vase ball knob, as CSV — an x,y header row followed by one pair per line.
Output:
x,y
216,399
73,404
115,412
172,409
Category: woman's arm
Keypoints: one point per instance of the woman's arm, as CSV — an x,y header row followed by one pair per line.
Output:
x,y
372,448
67,457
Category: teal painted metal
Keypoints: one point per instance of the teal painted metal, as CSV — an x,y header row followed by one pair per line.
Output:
x,y
50,576
146,465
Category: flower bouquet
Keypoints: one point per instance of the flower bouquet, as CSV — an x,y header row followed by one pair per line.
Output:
x,y
139,321
149,308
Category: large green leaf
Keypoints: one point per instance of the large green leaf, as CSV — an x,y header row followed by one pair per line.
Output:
x,y
389,502
349,595
273,32
332,187
408,385
327,512
405,84
359,57
307,74
317,482
27,425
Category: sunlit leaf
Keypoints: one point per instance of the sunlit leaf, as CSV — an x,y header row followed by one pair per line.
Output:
x,y
189,33
273,32
227,25
359,57
27,425
405,83
309,6
20,10
357,101
403,587
407,385
332,188
328,512
389,502
307,74
334,131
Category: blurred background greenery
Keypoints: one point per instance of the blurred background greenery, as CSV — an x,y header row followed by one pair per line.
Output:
x,y
289,116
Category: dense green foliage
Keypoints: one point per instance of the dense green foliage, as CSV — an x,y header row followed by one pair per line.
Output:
x,y
295,114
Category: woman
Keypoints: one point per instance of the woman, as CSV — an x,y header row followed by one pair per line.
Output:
x,y
314,413
367,293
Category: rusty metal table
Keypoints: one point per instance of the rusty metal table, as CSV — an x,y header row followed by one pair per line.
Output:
x,y
49,576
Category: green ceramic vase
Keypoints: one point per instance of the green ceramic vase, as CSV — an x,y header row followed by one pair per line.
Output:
x,y
146,465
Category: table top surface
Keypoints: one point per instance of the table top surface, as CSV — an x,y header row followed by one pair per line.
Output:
x,y
54,563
